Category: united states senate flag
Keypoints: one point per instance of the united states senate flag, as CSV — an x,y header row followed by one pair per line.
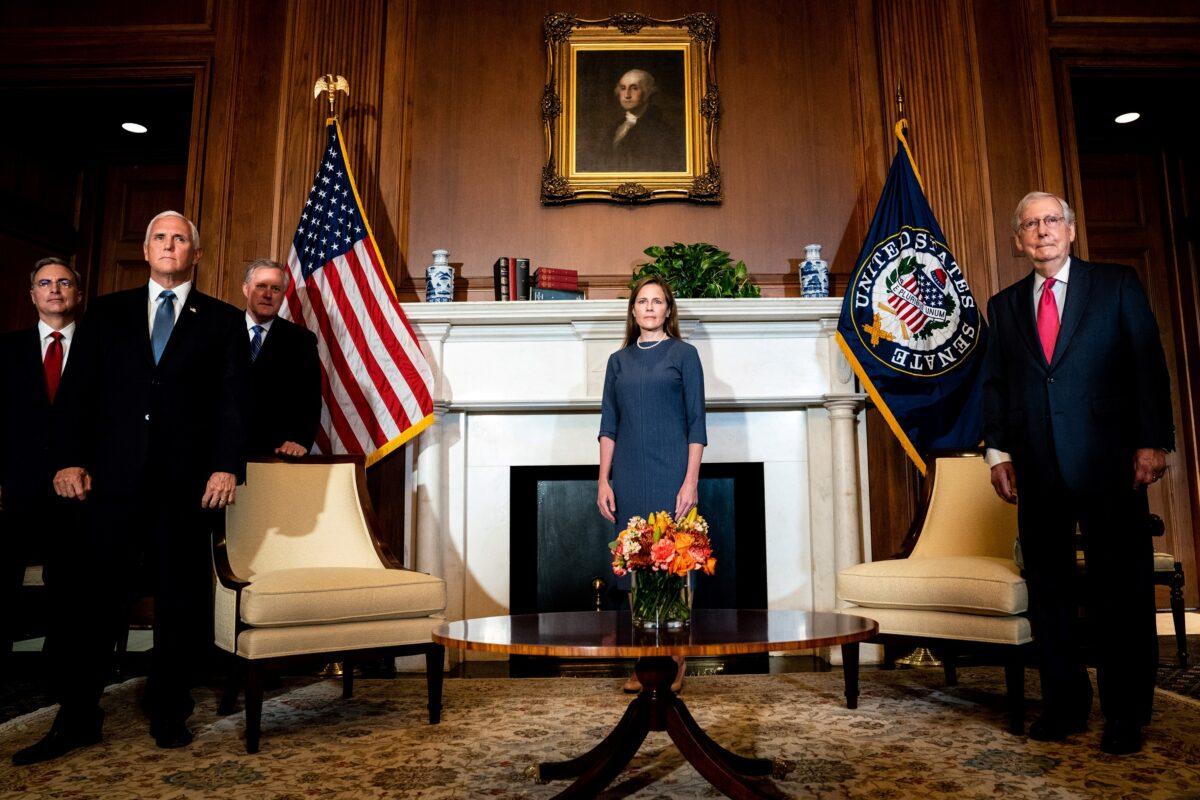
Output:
x,y
377,386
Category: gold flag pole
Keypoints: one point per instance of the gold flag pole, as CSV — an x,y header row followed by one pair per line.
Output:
x,y
331,84
920,657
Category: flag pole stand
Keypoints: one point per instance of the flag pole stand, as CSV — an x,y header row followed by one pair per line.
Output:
x,y
919,658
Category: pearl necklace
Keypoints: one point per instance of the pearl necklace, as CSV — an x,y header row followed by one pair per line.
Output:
x,y
656,343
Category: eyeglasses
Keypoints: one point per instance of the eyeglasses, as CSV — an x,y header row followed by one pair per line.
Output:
x,y
1051,220
62,283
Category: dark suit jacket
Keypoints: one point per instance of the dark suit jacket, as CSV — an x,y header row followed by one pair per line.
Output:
x,y
285,389
127,420
1105,394
27,419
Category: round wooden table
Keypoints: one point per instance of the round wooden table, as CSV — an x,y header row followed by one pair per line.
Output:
x,y
611,634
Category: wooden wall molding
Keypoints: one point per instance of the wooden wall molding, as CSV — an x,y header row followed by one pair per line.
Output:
x,y
1123,13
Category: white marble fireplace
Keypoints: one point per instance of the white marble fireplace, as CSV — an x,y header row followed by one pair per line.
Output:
x,y
519,384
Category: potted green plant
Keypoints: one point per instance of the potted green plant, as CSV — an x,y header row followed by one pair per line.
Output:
x,y
698,270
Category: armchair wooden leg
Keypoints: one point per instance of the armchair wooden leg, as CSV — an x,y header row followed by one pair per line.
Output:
x,y
254,695
347,678
435,657
1177,615
1014,683
949,656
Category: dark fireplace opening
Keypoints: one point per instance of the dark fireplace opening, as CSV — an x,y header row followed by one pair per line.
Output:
x,y
559,541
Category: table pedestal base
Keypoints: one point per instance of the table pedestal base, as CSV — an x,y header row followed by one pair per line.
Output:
x,y
657,708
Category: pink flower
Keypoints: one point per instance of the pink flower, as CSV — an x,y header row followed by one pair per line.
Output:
x,y
662,552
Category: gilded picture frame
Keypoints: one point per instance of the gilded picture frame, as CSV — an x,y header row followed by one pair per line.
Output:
x,y
630,110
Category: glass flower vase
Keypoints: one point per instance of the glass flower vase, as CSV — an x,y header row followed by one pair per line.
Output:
x,y
658,599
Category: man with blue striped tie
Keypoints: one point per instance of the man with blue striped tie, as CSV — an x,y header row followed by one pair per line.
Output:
x,y
152,440
285,371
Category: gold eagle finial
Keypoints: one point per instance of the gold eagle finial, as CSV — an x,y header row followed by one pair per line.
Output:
x,y
330,84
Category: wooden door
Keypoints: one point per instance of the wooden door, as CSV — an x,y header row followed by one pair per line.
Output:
x,y
133,194
1127,219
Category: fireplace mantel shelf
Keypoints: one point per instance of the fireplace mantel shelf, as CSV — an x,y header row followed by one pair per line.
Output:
x,y
763,309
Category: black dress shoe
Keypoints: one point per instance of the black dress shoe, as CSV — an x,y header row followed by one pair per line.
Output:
x,y
61,739
1121,738
1055,729
170,736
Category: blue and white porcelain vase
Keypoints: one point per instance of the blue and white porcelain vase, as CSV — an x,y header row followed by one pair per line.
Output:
x,y
814,273
439,279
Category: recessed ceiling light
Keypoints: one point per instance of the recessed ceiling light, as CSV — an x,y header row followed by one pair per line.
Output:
x,y
1123,119
134,127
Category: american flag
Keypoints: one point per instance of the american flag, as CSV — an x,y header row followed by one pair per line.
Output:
x,y
376,384
916,299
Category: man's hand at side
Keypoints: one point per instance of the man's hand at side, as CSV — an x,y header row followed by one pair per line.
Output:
x,y
74,483
220,491
1149,464
1004,481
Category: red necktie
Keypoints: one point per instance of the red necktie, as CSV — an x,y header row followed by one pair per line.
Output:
x,y
53,364
1047,319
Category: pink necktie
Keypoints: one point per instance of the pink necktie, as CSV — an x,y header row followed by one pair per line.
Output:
x,y
1047,319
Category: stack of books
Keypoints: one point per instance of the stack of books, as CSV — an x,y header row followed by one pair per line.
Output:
x,y
555,284
510,278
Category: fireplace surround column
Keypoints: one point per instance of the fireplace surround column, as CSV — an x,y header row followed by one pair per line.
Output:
x,y
847,516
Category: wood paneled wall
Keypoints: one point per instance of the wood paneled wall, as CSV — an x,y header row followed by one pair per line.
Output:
x,y
445,139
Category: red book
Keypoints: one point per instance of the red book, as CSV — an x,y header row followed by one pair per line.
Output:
x,y
555,271
512,279
544,282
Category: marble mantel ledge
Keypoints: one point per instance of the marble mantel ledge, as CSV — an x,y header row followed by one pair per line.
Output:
x,y
549,312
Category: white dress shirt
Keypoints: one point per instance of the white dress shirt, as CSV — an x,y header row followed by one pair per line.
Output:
x,y
993,456
181,295
250,323
68,333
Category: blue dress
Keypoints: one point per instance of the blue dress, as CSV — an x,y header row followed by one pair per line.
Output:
x,y
652,409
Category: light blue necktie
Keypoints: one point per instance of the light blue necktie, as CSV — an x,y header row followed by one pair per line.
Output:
x,y
256,342
164,322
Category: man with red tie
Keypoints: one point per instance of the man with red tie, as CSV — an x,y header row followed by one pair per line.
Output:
x,y
1078,421
32,363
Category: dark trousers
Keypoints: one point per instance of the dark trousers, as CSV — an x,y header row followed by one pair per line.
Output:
x,y
1117,594
33,530
156,544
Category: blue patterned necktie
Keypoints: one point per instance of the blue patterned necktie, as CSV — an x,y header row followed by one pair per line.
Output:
x,y
256,342
164,322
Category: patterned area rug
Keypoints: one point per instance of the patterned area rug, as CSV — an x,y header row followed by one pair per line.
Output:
x,y
910,737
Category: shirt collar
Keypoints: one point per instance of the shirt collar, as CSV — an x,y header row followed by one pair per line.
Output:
x,y
181,292
631,118
1063,276
250,323
45,330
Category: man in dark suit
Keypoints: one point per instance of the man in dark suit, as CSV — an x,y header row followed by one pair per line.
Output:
x,y
32,363
1077,421
151,437
642,140
285,370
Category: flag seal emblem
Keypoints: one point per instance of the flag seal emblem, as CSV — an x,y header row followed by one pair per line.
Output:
x,y
913,311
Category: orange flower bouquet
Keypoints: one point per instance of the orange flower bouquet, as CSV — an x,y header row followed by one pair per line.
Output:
x,y
660,554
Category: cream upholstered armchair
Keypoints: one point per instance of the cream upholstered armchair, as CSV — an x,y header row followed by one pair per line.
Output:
x,y
301,573
958,587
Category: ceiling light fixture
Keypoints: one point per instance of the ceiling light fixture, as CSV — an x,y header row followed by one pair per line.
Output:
x,y
1123,119
134,127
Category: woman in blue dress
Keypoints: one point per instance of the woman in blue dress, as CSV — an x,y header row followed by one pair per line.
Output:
x,y
652,427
